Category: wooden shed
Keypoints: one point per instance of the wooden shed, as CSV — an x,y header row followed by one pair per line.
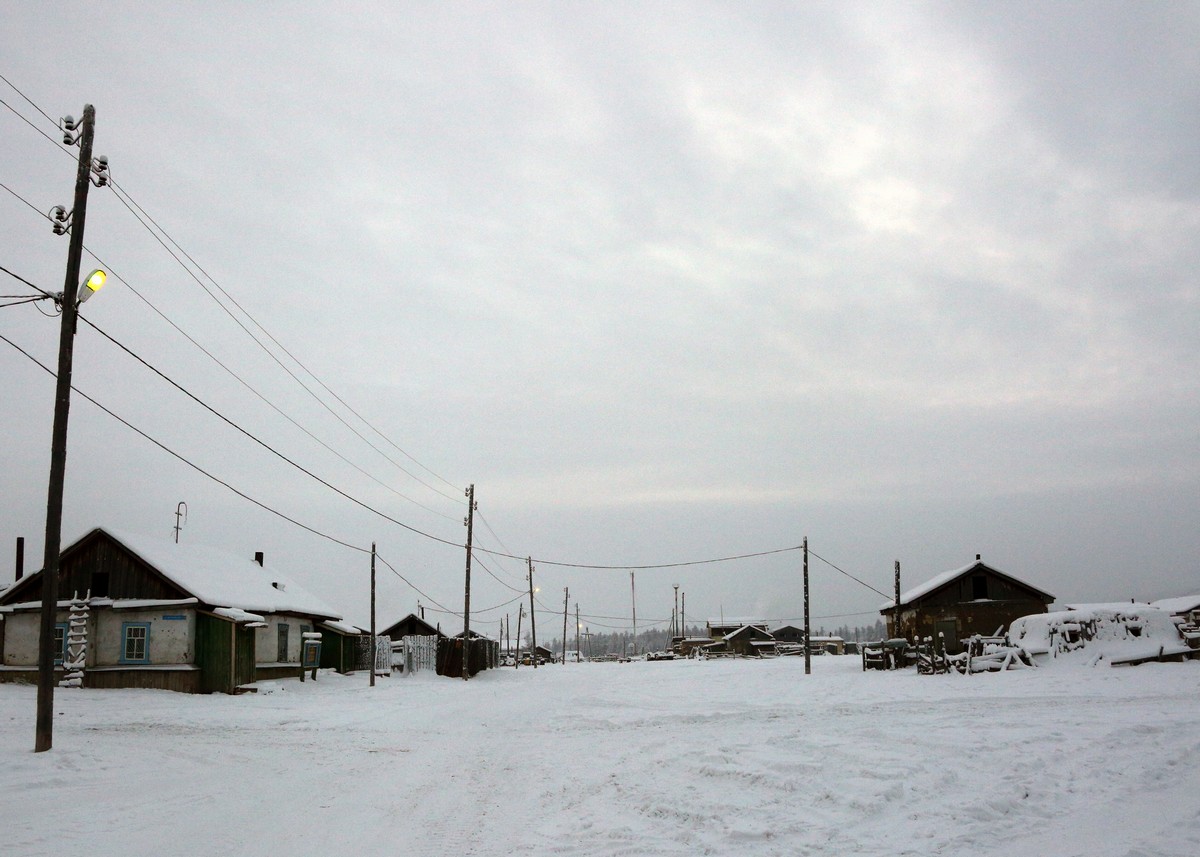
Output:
x,y
974,599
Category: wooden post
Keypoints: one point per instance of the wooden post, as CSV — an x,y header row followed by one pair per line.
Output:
x,y
633,598
58,440
466,643
896,610
532,617
517,655
578,651
807,627
566,595
373,644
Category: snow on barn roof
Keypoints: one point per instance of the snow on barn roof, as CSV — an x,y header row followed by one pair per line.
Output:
x,y
945,577
1181,604
223,579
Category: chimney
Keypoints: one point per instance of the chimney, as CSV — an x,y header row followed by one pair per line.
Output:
x,y
978,557
20,557
258,557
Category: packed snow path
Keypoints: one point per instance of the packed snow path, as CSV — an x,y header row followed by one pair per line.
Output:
x,y
672,758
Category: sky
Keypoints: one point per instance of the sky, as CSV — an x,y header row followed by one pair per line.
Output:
x,y
665,282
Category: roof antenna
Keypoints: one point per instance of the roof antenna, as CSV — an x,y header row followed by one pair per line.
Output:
x,y
180,511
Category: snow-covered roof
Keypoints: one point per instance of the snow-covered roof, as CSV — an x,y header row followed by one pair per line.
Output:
x,y
938,581
745,627
733,621
222,579
1182,604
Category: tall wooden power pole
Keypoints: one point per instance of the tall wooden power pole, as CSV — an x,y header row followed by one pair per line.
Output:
x,y
532,616
566,595
807,628
633,597
374,643
58,439
578,651
466,643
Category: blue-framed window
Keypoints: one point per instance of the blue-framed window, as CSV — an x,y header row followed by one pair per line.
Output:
x,y
60,643
135,642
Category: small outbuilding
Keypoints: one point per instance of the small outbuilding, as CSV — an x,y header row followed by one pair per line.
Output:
x,y
957,604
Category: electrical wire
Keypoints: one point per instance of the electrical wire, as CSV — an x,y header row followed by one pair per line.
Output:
x,y
28,100
116,276
849,575
186,461
20,116
412,585
129,204
263,443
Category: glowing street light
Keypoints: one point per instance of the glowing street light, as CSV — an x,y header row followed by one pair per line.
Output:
x,y
94,282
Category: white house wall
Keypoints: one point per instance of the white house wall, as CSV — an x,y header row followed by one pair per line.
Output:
x,y
169,642
266,640
21,631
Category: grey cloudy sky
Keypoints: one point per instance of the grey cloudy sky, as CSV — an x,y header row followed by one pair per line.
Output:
x,y
665,281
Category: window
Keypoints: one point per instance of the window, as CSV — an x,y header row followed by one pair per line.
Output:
x,y
60,643
99,584
979,589
136,645
282,653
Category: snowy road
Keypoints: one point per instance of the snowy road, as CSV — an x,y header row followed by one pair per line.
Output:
x,y
674,758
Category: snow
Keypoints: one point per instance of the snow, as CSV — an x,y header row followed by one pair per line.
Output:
x,y
1182,604
224,579
682,757
1099,632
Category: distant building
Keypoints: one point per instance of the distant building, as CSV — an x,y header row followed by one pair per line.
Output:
x,y
411,625
719,628
974,599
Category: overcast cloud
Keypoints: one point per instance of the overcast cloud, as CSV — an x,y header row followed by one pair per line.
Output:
x,y
664,281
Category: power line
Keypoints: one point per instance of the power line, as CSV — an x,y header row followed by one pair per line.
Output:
x,y
186,461
20,116
28,100
255,391
412,585
849,575
41,214
129,203
261,442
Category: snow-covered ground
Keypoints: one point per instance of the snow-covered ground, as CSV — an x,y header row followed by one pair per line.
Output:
x,y
675,758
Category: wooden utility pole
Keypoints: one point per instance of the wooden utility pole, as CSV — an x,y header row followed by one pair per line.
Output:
x,y
896,612
675,615
633,596
532,616
566,595
517,653
807,628
374,644
683,615
466,643
578,651
58,438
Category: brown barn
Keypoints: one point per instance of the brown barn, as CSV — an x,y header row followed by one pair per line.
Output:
x,y
975,599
